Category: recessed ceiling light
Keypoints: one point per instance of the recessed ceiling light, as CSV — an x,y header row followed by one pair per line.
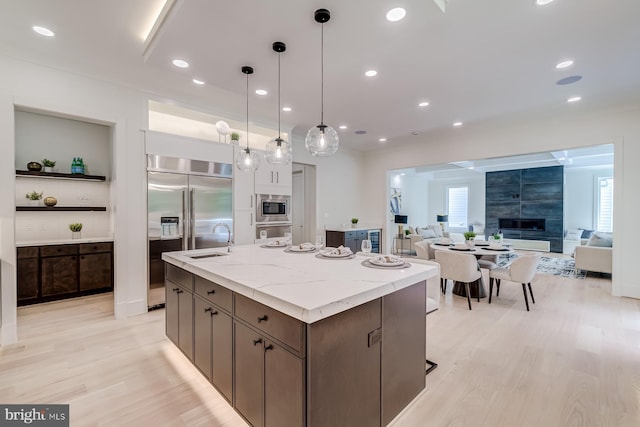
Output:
x,y
574,99
43,31
287,109
457,124
198,82
180,63
382,140
543,2
343,127
396,14
564,64
261,92
371,73
423,104
402,174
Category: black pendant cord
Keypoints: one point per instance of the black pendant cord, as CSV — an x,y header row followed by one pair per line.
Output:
x,y
322,76
247,150
279,105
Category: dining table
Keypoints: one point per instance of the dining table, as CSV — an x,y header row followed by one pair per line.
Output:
x,y
479,249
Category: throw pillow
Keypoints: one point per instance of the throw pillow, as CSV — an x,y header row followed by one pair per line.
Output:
x,y
602,240
586,234
574,234
412,230
437,229
427,233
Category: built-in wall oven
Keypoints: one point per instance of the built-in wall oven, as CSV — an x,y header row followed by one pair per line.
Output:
x,y
273,208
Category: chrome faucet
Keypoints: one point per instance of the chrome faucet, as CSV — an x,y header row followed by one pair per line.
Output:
x,y
228,231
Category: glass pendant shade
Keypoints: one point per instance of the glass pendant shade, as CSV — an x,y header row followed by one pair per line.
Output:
x,y
278,152
247,160
322,141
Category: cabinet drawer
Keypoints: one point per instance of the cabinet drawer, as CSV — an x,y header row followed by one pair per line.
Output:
x,y
27,252
362,234
93,248
213,293
280,326
58,250
349,235
179,276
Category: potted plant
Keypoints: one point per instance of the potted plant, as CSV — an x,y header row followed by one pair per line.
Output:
x,y
497,236
34,198
354,222
75,230
235,138
407,232
48,165
468,237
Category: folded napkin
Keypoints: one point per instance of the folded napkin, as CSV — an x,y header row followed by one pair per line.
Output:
x,y
306,245
340,250
388,258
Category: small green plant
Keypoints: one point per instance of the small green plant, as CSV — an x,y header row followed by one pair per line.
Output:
x,y
354,220
34,195
75,226
496,236
407,232
469,235
235,136
49,163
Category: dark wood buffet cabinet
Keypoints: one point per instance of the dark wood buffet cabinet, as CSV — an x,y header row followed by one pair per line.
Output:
x,y
52,272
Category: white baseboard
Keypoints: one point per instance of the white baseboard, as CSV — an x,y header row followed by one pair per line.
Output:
x,y
8,334
124,310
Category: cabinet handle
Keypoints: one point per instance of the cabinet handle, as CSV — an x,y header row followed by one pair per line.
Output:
x,y
211,292
258,341
175,289
272,177
267,348
207,309
180,291
250,200
277,177
213,313
263,318
82,257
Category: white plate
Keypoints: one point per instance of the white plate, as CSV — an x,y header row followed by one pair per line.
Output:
x,y
330,255
297,249
275,245
381,263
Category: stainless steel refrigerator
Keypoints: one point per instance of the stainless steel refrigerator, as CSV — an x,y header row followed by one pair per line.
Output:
x,y
186,202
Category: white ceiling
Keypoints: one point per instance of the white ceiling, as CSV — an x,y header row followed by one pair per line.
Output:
x,y
479,60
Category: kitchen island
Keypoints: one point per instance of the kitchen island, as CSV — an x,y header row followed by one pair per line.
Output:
x,y
293,339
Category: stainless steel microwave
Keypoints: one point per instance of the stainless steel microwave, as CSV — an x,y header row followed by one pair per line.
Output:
x,y
272,208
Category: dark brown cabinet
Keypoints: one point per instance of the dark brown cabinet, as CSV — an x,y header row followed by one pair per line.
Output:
x,y
28,273
179,309
51,272
352,239
212,338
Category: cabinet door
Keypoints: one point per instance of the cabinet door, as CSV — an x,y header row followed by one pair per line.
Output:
x,y
202,335
244,227
350,241
185,322
249,355
59,275
95,271
243,186
334,239
284,388
273,179
171,311
27,278
222,352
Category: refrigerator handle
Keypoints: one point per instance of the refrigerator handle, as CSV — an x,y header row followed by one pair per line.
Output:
x,y
192,220
251,200
251,221
184,222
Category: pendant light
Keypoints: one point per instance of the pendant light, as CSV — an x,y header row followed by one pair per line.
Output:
x,y
278,150
322,140
247,160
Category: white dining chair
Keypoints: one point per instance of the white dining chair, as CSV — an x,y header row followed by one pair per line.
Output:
x,y
522,270
458,267
422,250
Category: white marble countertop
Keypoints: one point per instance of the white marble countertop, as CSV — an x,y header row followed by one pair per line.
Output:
x,y
344,228
62,241
299,284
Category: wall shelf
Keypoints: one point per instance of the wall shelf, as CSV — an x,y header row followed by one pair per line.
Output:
x,y
59,175
61,208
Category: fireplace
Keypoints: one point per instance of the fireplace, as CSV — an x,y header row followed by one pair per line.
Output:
x,y
527,224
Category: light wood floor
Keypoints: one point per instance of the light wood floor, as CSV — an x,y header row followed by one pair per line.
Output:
x,y
573,360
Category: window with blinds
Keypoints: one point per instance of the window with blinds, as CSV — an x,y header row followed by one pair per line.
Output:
x,y
457,203
604,219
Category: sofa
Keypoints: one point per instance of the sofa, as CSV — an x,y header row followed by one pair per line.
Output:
x,y
428,234
595,254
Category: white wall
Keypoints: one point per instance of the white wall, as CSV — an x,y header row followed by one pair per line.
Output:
x,y
580,200
476,203
35,88
520,135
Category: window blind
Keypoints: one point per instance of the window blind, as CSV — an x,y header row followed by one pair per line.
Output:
x,y
457,203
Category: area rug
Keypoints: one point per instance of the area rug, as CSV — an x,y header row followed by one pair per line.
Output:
x,y
554,266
